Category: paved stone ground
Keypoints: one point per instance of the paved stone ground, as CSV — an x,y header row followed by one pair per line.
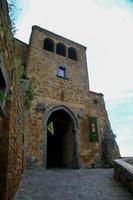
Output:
x,y
59,184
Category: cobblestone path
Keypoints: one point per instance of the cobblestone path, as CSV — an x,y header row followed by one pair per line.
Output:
x,y
82,184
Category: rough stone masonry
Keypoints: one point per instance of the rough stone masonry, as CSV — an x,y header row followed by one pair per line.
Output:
x,y
82,136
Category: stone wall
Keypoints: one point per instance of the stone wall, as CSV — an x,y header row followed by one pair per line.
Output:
x,y
16,160
4,126
123,172
108,148
21,54
12,121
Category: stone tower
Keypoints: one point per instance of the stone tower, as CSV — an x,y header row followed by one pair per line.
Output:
x,y
67,122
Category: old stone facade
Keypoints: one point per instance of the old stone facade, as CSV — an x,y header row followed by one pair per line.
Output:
x,y
57,68
66,125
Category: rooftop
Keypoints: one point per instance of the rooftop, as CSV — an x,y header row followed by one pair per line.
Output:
x,y
35,27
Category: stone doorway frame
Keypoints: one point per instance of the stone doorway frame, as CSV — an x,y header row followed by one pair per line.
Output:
x,y
75,132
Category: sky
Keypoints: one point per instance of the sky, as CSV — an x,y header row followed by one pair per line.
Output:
x,y
105,27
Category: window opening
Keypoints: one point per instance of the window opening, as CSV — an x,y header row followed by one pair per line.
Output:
x,y
3,88
61,72
72,53
49,45
61,49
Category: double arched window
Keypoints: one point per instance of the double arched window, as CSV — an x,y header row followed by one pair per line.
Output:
x,y
49,45
60,49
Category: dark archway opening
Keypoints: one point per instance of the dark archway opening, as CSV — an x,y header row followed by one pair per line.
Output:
x,y
49,45
61,148
61,49
72,53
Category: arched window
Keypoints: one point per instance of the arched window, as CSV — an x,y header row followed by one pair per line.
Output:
x,y
49,45
61,49
72,53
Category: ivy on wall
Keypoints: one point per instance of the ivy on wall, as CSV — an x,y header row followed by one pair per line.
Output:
x,y
93,129
2,96
28,97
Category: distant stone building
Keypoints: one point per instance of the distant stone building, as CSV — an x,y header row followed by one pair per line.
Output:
x,y
65,125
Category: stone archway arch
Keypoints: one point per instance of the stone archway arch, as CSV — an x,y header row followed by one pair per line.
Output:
x,y
75,131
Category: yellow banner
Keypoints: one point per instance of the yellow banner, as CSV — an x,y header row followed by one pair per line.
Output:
x,y
51,128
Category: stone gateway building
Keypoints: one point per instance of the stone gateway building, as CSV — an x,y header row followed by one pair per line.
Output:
x,y
67,123
48,115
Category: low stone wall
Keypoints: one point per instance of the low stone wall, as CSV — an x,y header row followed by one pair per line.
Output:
x,y
123,172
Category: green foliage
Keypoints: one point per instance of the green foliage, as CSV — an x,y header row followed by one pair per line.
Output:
x,y
93,129
19,67
28,97
2,96
1,32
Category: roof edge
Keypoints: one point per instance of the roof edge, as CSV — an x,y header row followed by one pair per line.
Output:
x,y
35,27
20,41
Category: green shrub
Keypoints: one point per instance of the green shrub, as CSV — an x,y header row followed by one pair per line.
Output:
x,y
2,96
28,97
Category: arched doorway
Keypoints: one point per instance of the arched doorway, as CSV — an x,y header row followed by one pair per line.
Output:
x,y
62,147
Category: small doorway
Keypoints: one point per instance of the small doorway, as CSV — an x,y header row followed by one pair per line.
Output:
x,y
61,144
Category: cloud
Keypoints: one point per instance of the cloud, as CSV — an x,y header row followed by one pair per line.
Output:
x,y
121,112
124,141
129,118
121,118
121,3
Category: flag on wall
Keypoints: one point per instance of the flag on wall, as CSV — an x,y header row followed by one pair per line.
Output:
x,y
51,128
93,130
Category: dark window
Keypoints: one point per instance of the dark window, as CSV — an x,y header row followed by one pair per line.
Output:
x,y
61,72
72,53
3,86
2,82
61,49
49,45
